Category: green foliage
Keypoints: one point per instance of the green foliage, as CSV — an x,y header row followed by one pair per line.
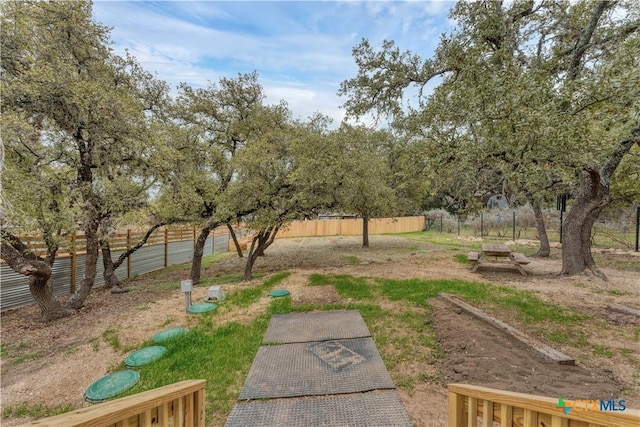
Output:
x,y
521,103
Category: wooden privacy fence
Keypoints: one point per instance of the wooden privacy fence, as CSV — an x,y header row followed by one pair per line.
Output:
x,y
351,226
176,405
474,406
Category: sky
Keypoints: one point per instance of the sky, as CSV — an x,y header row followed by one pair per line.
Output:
x,y
300,49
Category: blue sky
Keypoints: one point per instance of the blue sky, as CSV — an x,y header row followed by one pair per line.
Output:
x,y
300,49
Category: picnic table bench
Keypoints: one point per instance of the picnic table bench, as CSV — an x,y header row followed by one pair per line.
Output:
x,y
498,254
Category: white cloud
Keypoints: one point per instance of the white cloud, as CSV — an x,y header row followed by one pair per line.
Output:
x,y
302,50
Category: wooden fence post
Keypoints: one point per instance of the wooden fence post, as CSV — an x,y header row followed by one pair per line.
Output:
x,y
128,256
72,254
166,246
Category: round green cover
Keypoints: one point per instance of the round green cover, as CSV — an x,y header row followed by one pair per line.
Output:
x,y
167,334
111,385
144,356
203,307
279,293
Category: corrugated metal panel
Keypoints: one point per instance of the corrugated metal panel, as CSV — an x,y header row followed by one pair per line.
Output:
x,y
61,277
221,243
147,259
180,252
14,287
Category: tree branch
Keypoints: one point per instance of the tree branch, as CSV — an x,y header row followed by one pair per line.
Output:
x,y
585,38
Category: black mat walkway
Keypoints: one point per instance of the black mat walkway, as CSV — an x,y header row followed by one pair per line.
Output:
x,y
327,371
316,326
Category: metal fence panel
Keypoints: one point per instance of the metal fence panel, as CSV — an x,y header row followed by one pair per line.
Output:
x,y
220,244
15,287
180,252
146,259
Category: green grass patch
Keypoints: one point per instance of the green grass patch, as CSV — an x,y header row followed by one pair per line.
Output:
x,y
110,336
221,355
353,260
222,279
462,259
244,297
27,357
603,350
616,292
275,279
210,260
557,324
34,411
445,240
418,291
357,288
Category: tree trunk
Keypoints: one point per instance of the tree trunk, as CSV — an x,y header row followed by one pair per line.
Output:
x,y
252,256
576,238
17,256
365,231
592,198
261,241
111,281
110,267
235,240
198,251
90,265
545,249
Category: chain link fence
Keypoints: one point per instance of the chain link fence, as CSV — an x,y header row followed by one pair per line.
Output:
x,y
614,229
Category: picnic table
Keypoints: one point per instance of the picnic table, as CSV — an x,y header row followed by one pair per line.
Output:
x,y
497,253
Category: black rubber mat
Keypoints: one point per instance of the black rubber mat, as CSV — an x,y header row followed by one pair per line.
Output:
x,y
316,326
316,368
381,409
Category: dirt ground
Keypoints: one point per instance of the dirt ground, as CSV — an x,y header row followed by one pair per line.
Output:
x,y
53,364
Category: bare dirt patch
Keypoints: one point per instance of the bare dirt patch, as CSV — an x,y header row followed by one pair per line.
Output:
x,y
477,353
53,363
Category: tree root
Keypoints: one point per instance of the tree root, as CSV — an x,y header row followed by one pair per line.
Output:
x,y
119,290
57,314
587,272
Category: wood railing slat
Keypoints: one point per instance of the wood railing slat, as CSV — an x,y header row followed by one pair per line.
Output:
x,y
530,418
163,415
473,412
557,421
456,410
487,413
540,409
138,407
506,415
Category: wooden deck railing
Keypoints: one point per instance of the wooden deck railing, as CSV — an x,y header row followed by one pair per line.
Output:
x,y
177,405
474,406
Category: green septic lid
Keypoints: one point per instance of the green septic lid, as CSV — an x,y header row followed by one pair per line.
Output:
x,y
111,385
203,307
279,293
167,334
144,356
